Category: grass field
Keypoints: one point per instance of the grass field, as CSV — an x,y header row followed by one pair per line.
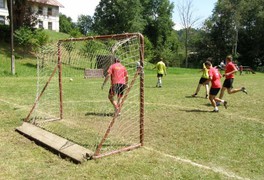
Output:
x,y
183,139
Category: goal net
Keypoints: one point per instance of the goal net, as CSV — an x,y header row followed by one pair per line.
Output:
x,y
70,102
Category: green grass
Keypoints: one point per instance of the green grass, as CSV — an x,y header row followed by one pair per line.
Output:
x,y
183,139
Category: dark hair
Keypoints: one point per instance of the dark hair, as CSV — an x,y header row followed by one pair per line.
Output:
x,y
207,63
210,59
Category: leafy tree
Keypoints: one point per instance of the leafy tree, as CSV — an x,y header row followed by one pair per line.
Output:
x,y
251,34
118,16
84,23
66,24
30,39
159,29
236,27
22,14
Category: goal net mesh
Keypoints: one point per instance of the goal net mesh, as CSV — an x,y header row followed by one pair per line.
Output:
x,y
69,99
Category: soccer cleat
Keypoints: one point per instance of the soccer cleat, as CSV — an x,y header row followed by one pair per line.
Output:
x,y
243,89
194,95
217,103
206,97
225,104
215,110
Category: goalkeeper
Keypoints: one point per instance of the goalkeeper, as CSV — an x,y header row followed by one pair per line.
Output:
x,y
119,80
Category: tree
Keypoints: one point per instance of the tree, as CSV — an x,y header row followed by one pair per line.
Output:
x,y
22,14
84,23
66,24
251,35
236,27
118,16
185,9
159,29
30,39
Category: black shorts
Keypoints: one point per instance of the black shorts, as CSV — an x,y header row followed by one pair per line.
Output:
x,y
159,75
117,89
228,83
214,91
203,80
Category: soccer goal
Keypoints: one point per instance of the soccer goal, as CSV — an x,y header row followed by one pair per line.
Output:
x,y
71,105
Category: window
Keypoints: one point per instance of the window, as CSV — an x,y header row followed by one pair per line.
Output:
x,y
50,25
2,19
2,3
41,24
49,11
40,10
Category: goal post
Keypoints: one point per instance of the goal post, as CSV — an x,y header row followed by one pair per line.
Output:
x,y
69,100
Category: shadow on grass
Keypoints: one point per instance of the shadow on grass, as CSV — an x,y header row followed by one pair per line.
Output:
x,y
30,65
98,114
196,110
195,97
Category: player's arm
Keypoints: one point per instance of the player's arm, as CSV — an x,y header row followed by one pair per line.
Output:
x,y
105,80
231,72
165,71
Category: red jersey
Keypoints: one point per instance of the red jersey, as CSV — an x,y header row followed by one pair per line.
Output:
x,y
118,73
215,78
229,68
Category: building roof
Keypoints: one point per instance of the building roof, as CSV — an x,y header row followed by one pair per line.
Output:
x,y
48,2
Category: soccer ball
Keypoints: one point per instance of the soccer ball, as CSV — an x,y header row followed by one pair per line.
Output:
x,y
71,79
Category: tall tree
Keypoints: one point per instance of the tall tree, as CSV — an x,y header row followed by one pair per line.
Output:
x,y
66,24
185,9
236,27
118,16
251,34
159,28
22,14
84,23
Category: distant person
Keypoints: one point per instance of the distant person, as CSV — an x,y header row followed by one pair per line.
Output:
x,y
230,70
161,70
119,81
203,82
222,65
241,69
214,77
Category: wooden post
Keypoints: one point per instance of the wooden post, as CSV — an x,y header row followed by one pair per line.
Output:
x,y
60,80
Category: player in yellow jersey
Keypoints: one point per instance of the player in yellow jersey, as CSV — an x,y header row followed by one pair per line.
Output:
x,y
161,70
203,81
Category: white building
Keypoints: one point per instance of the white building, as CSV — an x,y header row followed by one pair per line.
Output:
x,y
47,11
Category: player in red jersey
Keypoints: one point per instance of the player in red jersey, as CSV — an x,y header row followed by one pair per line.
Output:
x,y
119,80
214,77
230,69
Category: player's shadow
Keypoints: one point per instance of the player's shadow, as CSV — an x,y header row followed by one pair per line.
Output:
x,y
98,114
195,110
195,97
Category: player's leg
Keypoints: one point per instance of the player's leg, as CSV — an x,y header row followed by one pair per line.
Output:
x,y
226,85
213,103
201,81
111,94
212,94
206,90
197,90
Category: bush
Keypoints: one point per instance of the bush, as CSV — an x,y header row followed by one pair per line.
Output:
x,y
30,39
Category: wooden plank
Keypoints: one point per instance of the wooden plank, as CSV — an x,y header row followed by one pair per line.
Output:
x,y
57,143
